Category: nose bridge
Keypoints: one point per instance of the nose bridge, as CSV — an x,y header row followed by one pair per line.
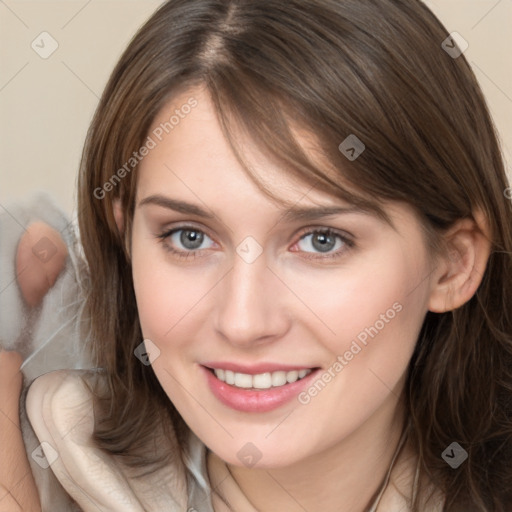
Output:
x,y
249,308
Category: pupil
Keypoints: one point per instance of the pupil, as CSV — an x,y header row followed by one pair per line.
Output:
x,y
191,239
323,242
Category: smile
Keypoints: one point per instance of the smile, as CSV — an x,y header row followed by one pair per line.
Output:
x,y
257,392
261,380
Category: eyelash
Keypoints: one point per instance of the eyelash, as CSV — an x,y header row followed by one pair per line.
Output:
x,y
182,255
348,243
193,254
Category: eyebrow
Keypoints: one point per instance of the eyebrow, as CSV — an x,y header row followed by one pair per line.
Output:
x,y
291,214
176,205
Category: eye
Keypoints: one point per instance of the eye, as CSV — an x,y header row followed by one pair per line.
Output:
x,y
190,239
324,241
185,241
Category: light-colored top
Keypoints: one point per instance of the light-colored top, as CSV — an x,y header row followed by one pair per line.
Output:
x,y
59,406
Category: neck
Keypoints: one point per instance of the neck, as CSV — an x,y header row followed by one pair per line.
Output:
x,y
346,477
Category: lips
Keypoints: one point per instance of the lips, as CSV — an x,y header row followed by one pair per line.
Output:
x,y
251,399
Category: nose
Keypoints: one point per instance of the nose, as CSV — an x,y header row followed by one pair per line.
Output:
x,y
251,305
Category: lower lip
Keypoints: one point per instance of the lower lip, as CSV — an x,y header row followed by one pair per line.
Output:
x,y
248,400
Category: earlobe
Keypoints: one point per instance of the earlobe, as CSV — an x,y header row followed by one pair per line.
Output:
x,y
121,226
118,215
461,269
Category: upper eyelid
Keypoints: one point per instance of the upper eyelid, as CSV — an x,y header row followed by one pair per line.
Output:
x,y
321,229
185,225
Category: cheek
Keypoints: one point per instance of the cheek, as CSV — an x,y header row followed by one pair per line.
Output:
x,y
166,295
160,298
152,286
379,298
375,316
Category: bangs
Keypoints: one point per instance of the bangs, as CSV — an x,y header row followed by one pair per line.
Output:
x,y
286,135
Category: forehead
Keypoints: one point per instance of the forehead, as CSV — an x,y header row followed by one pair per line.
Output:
x,y
189,146
192,160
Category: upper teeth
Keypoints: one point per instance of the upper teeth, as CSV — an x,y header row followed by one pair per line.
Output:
x,y
260,380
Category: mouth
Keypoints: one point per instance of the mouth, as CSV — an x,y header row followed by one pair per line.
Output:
x,y
257,391
260,381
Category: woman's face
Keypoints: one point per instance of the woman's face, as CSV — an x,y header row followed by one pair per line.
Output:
x,y
225,279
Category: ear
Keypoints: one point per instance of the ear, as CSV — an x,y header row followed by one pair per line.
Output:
x,y
121,226
118,215
460,271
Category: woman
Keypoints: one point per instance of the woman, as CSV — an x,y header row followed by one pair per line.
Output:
x,y
300,209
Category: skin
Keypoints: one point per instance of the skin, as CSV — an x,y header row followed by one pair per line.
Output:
x,y
17,487
40,258
286,308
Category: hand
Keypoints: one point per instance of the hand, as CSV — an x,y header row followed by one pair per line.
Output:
x,y
18,492
40,259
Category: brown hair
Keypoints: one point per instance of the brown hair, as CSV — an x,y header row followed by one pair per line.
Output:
x,y
370,68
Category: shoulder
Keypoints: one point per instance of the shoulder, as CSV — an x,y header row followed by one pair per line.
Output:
x,y
61,411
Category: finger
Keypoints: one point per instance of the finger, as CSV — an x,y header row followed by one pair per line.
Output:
x,y
7,502
16,478
40,258
11,381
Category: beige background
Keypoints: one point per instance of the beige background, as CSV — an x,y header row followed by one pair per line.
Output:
x,y
46,104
